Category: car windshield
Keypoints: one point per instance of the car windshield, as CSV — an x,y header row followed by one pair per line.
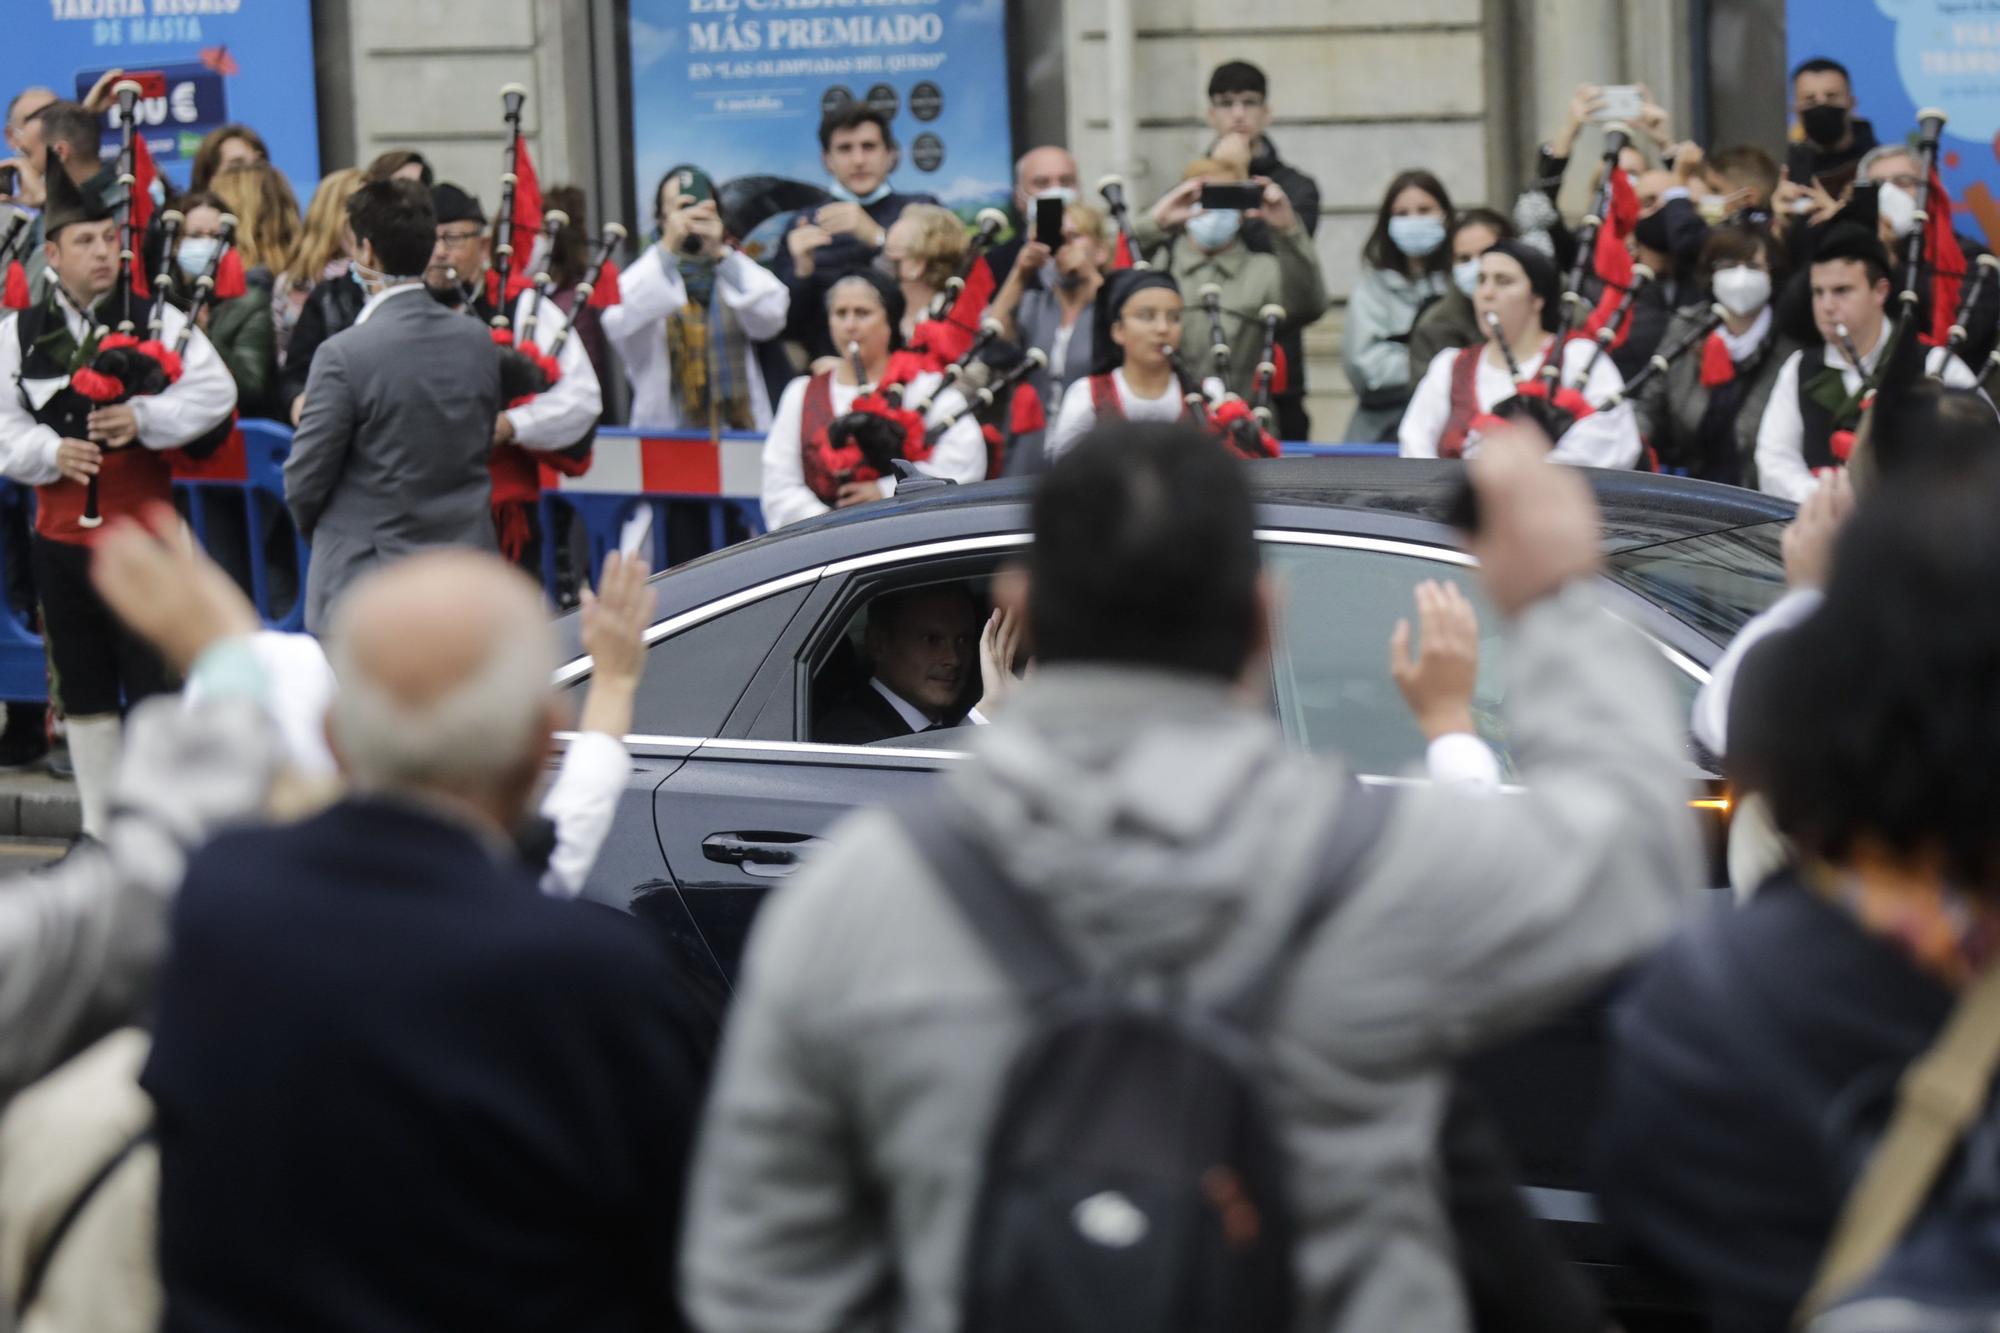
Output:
x,y
1715,582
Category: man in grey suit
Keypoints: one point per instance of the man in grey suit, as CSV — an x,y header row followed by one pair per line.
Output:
x,y
390,453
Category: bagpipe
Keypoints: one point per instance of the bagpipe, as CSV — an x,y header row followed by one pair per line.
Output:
x,y
1600,256
864,442
121,366
1128,255
1244,426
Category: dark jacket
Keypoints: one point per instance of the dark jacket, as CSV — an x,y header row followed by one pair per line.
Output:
x,y
330,308
1446,323
399,1089
1303,192
1672,409
807,320
1753,1065
1805,159
246,337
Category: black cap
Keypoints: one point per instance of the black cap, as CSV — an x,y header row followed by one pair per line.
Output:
x,y
1852,241
1120,287
452,204
1543,279
69,203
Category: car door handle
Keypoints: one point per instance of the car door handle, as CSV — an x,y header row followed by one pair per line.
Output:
x,y
757,849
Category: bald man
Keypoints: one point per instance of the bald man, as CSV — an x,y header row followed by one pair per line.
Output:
x,y
397,1086
1044,172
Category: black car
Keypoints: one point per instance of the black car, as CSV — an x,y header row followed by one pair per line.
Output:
x,y
729,792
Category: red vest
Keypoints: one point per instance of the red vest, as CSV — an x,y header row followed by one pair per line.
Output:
x,y
127,481
1464,401
1107,405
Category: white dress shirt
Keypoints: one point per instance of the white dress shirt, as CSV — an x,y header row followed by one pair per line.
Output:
x,y
1602,439
960,454
567,411
190,407
1781,458
653,289
1078,412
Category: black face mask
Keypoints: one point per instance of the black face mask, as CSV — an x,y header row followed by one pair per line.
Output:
x,y
1824,125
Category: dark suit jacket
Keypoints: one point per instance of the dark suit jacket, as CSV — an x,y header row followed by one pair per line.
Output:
x,y
399,1089
807,321
390,456
860,717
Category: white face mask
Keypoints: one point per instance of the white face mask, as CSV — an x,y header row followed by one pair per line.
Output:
x,y
1742,290
1898,208
1465,274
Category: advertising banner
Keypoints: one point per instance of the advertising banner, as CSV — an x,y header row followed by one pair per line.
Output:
x,y
1905,55
223,60
737,87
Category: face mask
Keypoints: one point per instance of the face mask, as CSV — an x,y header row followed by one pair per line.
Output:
x,y
1465,274
887,268
1214,228
1741,289
371,280
197,253
1824,125
1898,208
847,196
1416,236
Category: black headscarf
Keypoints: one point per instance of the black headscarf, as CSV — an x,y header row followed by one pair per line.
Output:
x,y
1120,287
1542,278
893,304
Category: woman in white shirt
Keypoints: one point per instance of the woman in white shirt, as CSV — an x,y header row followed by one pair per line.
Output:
x,y
1137,322
864,310
1517,285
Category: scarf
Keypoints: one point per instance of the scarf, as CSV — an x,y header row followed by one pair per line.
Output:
x,y
710,355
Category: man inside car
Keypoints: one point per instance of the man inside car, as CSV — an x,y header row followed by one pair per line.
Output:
x,y
922,645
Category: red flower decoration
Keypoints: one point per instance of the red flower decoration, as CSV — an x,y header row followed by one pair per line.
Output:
x,y
111,342
503,337
97,386
16,293
1239,428
168,358
1841,442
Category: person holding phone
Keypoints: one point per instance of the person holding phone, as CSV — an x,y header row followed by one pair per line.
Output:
x,y
1406,266
1831,139
1049,295
1200,226
692,314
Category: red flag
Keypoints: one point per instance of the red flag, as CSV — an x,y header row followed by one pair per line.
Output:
x,y
1947,263
972,302
527,211
1623,214
604,291
1281,371
141,209
17,286
229,282
1026,412
1123,257
1611,261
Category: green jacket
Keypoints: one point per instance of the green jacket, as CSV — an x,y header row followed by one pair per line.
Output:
x,y
1249,281
243,332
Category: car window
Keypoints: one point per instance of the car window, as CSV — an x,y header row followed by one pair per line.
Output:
x,y
1715,582
692,679
1337,608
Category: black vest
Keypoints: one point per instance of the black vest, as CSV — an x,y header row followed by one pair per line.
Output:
x,y
47,353
1820,422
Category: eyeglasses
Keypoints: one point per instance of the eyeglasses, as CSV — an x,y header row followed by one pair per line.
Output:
x,y
459,237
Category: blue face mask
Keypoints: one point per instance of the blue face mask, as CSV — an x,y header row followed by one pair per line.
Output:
x,y
1214,228
197,253
847,196
1417,237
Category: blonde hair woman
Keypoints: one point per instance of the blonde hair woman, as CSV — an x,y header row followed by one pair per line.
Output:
x,y
267,215
323,251
922,253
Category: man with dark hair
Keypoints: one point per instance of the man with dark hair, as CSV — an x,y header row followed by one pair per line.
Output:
x,y
390,453
859,151
1808,425
923,650
1141,798
1239,111
1834,138
401,164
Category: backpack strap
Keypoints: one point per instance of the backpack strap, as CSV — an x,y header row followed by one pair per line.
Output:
x,y
1939,1095
1007,921
1351,835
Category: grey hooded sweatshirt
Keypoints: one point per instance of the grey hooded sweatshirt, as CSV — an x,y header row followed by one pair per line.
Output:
x,y
1167,829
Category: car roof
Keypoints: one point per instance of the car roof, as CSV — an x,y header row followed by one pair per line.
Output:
x,y
1389,497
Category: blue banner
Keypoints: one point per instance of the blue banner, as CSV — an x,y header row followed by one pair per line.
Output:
x,y
249,61
737,87
1906,55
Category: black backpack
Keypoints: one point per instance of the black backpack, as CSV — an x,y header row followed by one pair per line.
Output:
x,y
1133,1180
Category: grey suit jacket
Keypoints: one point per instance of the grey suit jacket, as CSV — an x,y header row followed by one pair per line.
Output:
x,y
390,454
